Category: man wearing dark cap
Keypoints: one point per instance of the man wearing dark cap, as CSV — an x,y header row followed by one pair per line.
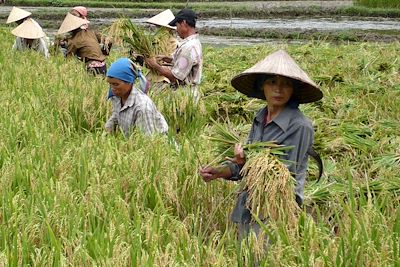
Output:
x,y
187,61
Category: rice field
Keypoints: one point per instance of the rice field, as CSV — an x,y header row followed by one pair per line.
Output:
x,y
70,195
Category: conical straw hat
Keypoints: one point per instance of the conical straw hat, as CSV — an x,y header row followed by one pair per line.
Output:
x,y
29,29
277,63
162,19
71,23
17,14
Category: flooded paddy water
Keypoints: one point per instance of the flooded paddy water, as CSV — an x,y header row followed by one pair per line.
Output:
x,y
212,27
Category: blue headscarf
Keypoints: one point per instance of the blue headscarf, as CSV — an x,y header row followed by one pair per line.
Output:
x,y
124,69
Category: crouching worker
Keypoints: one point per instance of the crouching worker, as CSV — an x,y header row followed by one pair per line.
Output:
x,y
132,108
284,85
30,36
83,44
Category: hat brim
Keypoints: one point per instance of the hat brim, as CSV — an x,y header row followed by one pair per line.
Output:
x,y
173,22
29,29
17,14
166,26
71,23
162,19
303,93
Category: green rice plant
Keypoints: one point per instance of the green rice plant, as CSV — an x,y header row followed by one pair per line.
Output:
x,y
71,195
379,3
138,39
225,136
183,112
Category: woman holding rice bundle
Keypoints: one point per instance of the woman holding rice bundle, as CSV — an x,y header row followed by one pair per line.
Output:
x,y
131,106
284,85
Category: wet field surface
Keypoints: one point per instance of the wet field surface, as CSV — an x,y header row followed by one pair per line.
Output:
x,y
295,23
257,4
320,24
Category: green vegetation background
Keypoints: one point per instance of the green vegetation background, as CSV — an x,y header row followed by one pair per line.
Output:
x,y
70,195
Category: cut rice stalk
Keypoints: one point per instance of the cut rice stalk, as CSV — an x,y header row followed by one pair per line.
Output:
x,y
270,187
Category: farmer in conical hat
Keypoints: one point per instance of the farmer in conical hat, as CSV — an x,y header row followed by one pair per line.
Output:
x,y
18,15
187,61
166,47
132,108
83,44
30,36
284,85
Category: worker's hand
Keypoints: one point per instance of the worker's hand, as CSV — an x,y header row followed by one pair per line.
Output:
x,y
209,173
109,130
151,63
139,59
239,158
164,58
239,154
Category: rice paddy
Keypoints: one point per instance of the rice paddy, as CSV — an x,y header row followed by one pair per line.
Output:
x,y
70,195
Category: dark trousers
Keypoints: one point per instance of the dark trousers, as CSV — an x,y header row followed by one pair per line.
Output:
x,y
98,70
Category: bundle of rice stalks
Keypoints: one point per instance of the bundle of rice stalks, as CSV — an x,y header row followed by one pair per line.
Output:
x,y
164,42
225,136
116,32
270,187
135,37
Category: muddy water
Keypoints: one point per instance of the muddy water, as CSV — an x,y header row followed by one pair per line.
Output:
x,y
317,24
297,23
258,4
320,24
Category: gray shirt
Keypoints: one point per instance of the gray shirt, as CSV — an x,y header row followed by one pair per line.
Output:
x,y
138,111
289,128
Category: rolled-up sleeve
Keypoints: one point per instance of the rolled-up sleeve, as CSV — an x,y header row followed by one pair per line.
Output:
x,y
235,170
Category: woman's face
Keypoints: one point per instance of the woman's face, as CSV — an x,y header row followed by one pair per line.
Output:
x,y
118,87
278,90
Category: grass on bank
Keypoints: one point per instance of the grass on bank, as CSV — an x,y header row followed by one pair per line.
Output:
x,y
71,195
379,3
216,9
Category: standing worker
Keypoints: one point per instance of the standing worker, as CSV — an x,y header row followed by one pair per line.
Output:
x,y
284,85
165,47
187,61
